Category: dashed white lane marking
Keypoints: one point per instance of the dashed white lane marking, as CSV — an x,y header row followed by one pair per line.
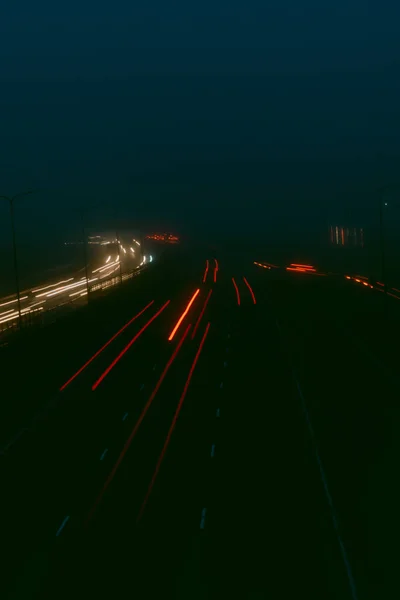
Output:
x,y
225,363
142,386
217,412
212,450
62,525
203,518
221,385
104,453
125,415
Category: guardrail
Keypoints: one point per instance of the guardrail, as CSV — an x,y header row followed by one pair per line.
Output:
x,y
41,317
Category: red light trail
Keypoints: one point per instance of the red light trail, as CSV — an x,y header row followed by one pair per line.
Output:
x,y
251,291
133,340
138,423
171,429
201,314
183,315
105,346
205,272
237,291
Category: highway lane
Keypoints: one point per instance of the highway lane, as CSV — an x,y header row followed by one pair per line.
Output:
x,y
53,446
238,502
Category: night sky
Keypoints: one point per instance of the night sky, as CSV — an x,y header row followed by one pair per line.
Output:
x,y
215,115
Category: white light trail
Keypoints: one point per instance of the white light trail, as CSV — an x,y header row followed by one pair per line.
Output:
x,y
15,315
12,301
108,259
6,312
104,267
37,303
110,272
66,288
52,285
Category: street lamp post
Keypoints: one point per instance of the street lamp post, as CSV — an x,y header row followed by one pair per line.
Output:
x,y
85,257
382,244
382,205
11,200
118,248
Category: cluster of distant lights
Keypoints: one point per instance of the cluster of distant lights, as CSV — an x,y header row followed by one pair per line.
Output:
x,y
295,267
341,236
380,287
163,237
301,268
266,265
361,279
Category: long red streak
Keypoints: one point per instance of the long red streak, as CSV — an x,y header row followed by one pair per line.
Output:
x,y
139,421
215,274
133,340
183,315
216,264
251,291
299,265
237,291
171,429
300,269
205,272
201,314
105,346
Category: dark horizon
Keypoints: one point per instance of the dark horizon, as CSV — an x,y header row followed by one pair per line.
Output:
x,y
212,117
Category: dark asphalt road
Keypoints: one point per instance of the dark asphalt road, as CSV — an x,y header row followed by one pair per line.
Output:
x,y
269,475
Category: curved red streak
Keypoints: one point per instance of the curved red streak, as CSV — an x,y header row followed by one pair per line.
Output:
x,y
139,421
105,346
133,340
237,291
201,314
205,272
171,429
251,291
216,264
215,274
